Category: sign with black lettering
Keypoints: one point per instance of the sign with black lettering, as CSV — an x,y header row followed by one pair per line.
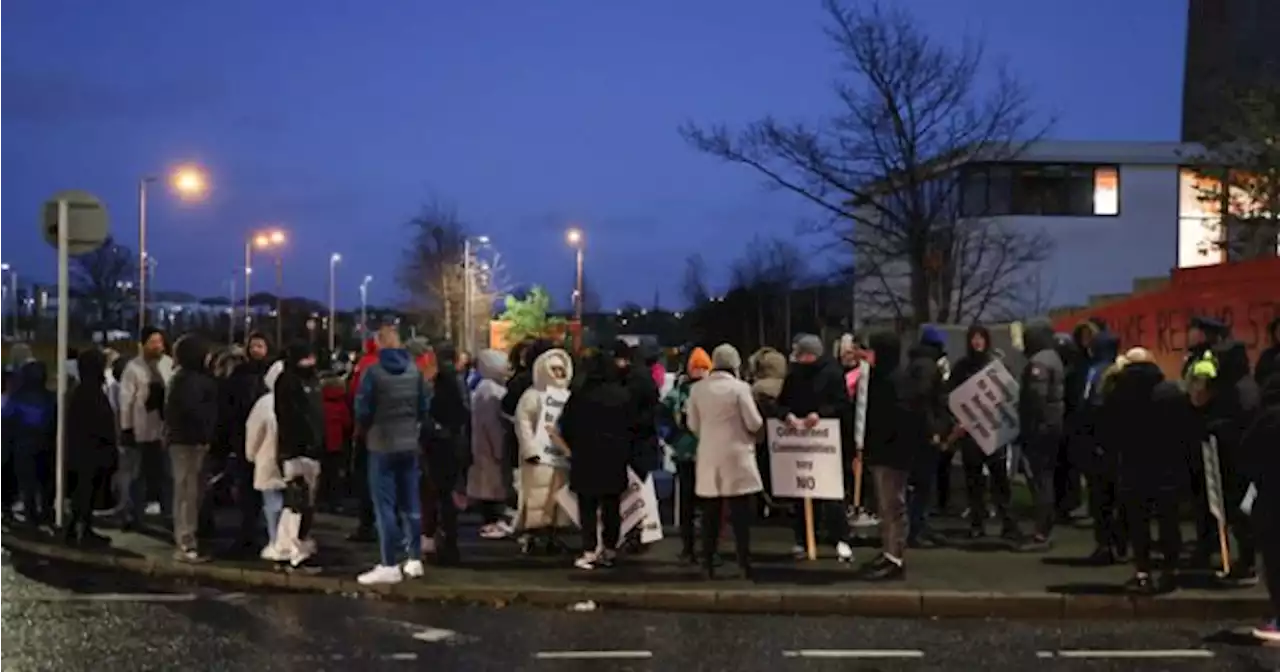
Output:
x,y
549,410
806,463
986,405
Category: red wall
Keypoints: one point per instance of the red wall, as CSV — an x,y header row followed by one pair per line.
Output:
x,y
1245,295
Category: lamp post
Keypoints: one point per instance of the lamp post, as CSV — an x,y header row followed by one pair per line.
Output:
x,y
578,241
364,303
17,303
333,272
468,309
190,184
273,239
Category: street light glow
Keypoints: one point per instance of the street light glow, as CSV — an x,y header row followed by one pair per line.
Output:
x,y
189,182
574,236
483,240
277,237
335,258
367,279
269,239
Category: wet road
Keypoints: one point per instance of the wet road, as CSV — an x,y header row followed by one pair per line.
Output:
x,y
57,618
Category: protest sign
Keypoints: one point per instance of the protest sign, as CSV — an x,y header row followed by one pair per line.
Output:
x,y
986,405
639,507
1213,496
550,406
806,463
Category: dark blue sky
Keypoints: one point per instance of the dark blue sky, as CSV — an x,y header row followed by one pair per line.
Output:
x,y
338,119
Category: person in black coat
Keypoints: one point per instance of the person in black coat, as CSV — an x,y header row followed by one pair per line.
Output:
x,y
813,390
241,391
1269,359
1234,403
1261,444
645,451
596,428
977,356
191,424
91,447
448,450
1147,425
924,370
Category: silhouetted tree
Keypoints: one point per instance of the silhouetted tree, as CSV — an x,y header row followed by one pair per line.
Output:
x,y
102,281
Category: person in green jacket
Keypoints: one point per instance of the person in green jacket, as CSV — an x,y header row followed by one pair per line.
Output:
x,y
684,445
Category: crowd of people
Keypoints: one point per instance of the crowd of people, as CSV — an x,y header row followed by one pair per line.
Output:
x,y
417,434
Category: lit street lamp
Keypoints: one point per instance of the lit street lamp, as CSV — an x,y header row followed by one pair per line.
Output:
x,y
264,240
364,303
190,183
577,241
333,271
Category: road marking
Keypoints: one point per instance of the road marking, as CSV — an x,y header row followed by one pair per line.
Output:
x,y
120,597
593,655
434,635
1124,653
854,653
401,656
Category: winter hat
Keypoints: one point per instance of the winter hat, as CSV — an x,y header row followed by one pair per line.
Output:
x,y
698,359
807,344
931,335
622,350
1137,355
726,358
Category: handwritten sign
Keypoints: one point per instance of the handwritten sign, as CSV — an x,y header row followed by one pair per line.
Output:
x,y
639,507
550,406
986,405
805,463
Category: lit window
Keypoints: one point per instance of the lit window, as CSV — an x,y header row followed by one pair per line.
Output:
x,y
1106,190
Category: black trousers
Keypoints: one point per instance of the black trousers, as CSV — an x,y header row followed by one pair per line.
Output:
x,y
1266,522
942,480
1066,479
1041,451
686,478
360,481
88,481
741,509
828,514
248,502
975,483
1160,506
1102,482
332,478
595,509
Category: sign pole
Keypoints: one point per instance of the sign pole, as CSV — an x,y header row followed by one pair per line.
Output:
x,y
811,544
63,312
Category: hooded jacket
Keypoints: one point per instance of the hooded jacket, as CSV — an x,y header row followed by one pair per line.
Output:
x,y
299,406
596,424
486,479
897,416
191,406
31,411
1148,423
684,443
1235,398
91,426
240,392
929,376
367,359
537,507
262,437
1041,405
392,403
968,366
1269,359
1261,446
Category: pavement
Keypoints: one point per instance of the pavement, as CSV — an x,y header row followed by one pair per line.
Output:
x,y
964,579
73,619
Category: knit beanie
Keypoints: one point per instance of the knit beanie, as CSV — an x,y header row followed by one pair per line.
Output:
x,y
698,359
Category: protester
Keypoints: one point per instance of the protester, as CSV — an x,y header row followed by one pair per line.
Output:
x,y
928,374
191,422
391,404
262,440
30,420
978,465
1259,444
243,388
1147,426
448,449
537,510
338,427
1269,359
645,452
1091,456
299,410
91,448
768,371
364,531
488,479
684,446
813,390
142,402
1040,415
1068,493
723,415
1233,405
595,428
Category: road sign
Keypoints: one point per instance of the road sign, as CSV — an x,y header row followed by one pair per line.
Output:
x,y
86,221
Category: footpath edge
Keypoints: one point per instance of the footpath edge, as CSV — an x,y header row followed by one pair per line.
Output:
x,y
869,603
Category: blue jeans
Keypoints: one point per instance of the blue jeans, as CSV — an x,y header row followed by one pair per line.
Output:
x,y
272,505
394,484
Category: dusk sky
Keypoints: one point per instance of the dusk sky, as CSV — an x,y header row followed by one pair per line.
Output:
x,y
337,120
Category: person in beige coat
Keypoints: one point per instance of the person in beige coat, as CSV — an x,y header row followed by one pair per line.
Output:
x,y
540,480
722,413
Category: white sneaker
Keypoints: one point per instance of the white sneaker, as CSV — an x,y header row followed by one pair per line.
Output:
x,y
271,554
414,569
586,561
381,574
799,552
844,551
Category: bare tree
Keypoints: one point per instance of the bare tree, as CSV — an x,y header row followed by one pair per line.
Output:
x,y
431,272
103,280
884,169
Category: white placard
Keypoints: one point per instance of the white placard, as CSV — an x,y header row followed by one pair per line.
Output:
x,y
550,406
806,463
1213,479
986,405
639,506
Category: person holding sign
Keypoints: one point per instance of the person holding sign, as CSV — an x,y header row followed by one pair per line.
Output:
x,y
814,389
723,415
596,427
542,462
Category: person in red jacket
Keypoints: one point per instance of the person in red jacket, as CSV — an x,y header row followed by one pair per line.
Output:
x,y
359,455
338,426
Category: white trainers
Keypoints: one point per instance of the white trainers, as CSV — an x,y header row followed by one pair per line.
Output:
x,y
414,569
844,551
272,554
799,552
381,574
586,561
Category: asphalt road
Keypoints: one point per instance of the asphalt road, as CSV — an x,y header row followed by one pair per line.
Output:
x,y
61,618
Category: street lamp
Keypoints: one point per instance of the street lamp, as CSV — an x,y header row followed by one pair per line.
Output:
x,y
577,241
190,183
333,270
264,240
364,303
467,308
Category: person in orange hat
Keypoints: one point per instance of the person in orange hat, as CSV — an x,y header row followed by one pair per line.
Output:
x,y
684,445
